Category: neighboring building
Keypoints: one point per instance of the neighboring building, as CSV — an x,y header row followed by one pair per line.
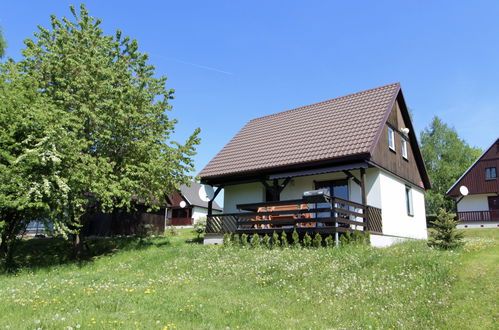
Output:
x,y
480,208
196,206
144,221
362,148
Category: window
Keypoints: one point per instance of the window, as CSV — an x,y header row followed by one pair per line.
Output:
x,y
490,173
404,148
391,138
408,200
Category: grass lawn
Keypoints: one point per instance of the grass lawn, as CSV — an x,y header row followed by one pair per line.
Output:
x,y
174,283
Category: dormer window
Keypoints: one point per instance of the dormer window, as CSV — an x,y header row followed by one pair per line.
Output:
x,y
404,147
490,173
391,138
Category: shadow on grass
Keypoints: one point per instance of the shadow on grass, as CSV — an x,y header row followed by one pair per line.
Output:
x,y
46,252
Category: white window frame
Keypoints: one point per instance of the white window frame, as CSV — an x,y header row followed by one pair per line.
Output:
x,y
404,147
391,138
488,173
408,201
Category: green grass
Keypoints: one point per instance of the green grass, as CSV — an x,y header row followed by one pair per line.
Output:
x,y
174,283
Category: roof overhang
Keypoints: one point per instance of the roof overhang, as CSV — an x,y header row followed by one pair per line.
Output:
x,y
331,169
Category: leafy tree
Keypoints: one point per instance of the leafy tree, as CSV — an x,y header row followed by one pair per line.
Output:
x,y
446,157
104,115
444,235
3,44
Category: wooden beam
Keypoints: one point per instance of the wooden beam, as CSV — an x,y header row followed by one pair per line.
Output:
x,y
210,202
351,176
363,193
284,184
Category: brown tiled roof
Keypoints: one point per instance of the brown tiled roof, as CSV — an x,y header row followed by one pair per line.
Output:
x,y
332,129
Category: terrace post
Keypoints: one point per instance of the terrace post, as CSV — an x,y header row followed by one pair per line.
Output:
x,y
364,197
210,202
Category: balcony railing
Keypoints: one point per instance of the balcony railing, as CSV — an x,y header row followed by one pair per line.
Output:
x,y
478,216
337,215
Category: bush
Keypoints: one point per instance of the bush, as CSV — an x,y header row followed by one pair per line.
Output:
x,y
329,241
255,240
275,240
226,240
266,241
444,234
317,242
307,240
295,239
244,240
200,227
284,239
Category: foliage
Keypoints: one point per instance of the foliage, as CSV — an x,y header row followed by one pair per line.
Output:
x,y
307,240
200,227
275,242
244,240
226,240
446,157
295,239
266,241
284,239
317,242
406,286
3,44
91,132
255,240
444,234
355,238
329,241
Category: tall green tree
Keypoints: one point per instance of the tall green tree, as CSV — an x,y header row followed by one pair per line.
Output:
x,y
447,157
105,117
3,44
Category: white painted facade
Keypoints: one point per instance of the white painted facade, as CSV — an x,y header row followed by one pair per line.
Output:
x,y
477,202
200,212
384,191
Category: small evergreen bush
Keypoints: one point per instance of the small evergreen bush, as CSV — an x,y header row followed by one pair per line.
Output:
x,y
266,241
307,240
317,242
255,240
226,240
444,234
284,239
244,240
295,239
329,241
275,240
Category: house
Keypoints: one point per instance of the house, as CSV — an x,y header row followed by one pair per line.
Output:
x,y
183,208
188,205
477,192
361,149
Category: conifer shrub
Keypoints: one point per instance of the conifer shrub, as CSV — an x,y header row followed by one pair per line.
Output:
x,y
275,242
295,239
244,240
284,239
234,239
329,241
444,234
255,240
226,240
266,241
317,242
307,240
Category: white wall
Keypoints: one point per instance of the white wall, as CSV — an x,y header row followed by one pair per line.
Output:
x,y
396,221
384,191
474,203
241,194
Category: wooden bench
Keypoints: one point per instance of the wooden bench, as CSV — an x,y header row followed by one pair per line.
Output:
x,y
291,216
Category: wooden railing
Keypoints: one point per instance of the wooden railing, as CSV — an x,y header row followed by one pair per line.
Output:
x,y
339,215
478,215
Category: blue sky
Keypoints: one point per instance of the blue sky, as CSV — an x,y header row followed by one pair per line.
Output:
x,y
231,61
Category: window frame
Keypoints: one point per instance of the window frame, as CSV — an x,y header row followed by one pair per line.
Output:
x,y
391,138
489,171
409,201
405,153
